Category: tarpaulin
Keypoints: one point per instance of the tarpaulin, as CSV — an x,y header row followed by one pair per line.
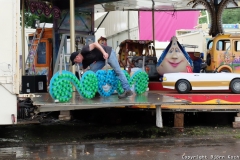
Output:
x,y
166,24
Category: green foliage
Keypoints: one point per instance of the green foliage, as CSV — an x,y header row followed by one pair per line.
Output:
x,y
229,16
204,18
30,19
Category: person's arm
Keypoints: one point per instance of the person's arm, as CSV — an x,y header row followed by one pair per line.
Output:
x,y
99,47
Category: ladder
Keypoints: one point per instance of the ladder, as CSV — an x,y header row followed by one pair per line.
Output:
x,y
30,68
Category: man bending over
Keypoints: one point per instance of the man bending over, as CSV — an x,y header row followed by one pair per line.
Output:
x,y
94,56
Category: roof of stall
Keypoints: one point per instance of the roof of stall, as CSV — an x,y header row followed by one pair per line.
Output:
x,y
123,5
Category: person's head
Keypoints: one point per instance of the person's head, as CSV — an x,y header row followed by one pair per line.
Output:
x,y
102,40
174,61
76,57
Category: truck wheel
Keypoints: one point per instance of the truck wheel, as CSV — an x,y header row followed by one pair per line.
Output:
x,y
183,86
235,86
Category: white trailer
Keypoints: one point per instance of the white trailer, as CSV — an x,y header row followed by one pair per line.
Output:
x,y
193,37
9,60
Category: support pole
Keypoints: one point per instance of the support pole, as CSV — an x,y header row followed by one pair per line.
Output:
x,y
66,115
128,25
72,29
72,33
159,117
55,41
61,63
153,22
23,39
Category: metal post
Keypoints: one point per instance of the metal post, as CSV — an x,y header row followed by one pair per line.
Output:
x,y
153,22
55,41
60,67
23,39
159,117
143,63
65,45
128,25
72,46
72,34
72,29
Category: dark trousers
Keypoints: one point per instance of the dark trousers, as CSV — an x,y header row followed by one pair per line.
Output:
x,y
76,74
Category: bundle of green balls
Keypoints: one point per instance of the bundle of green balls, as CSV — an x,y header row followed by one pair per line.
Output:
x,y
90,83
61,85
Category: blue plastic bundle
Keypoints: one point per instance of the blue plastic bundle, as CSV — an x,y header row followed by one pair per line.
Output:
x,y
107,82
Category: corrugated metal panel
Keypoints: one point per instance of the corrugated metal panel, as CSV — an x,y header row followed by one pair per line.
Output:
x,y
100,32
134,33
133,19
117,28
117,21
116,39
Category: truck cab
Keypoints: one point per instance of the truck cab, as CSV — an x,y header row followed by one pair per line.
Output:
x,y
223,53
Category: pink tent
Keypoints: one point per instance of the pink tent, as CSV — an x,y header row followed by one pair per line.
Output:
x,y
166,24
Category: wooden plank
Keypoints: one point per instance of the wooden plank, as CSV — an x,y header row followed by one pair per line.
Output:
x,y
237,119
178,120
67,118
236,124
64,116
66,113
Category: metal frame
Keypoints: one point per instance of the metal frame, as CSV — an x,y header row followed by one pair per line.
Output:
x,y
45,103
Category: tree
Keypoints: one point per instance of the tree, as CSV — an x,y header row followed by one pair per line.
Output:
x,y
203,18
31,18
229,16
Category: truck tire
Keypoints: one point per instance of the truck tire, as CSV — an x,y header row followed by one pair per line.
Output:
x,y
208,60
235,86
183,86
